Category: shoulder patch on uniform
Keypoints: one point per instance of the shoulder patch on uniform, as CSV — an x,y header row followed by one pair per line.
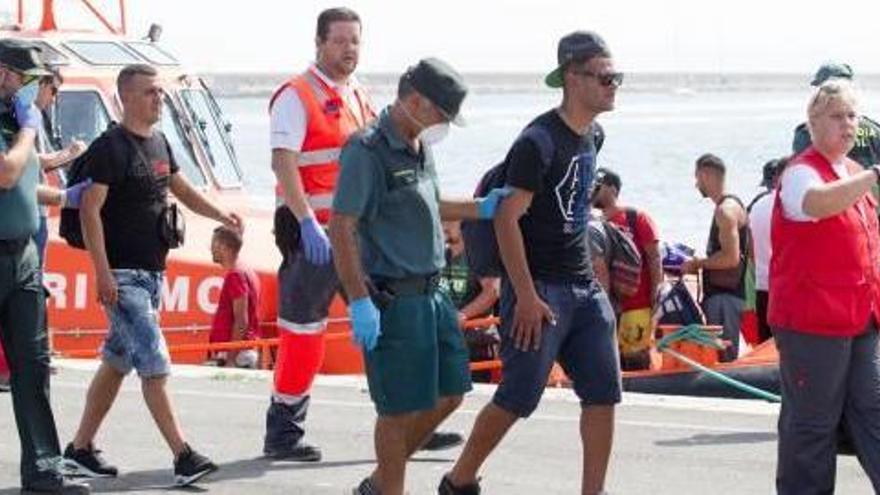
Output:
x,y
369,136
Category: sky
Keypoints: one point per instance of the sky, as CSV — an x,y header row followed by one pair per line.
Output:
x,y
519,35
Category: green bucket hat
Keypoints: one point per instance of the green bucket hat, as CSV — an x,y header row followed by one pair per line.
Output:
x,y
832,70
576,46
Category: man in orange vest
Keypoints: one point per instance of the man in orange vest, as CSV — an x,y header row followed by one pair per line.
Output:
x,y
312,116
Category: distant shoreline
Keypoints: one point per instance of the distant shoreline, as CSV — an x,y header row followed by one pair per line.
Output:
x,y
243,85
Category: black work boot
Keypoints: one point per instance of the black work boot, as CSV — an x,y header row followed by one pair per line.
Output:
x,y
285,431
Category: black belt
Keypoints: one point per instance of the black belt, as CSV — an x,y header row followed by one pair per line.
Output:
x,y
13,246
409,286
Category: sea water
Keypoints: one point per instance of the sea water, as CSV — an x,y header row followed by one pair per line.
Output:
x,y
652,141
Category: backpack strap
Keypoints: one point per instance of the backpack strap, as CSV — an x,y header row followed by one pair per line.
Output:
x,y
632,217
756,199
598,136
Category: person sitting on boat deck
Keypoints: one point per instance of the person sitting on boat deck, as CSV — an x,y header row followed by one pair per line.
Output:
x,y
825,300
387,236
474,296
635,332
552,308
237,315
866,150
22,332
760,211
312,116
125,216
724,267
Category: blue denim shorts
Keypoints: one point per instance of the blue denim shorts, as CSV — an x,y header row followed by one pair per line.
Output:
x,y
583,340
135,340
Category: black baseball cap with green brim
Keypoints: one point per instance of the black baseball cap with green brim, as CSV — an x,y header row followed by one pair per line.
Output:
x,y
22,57
441,84
831,70
576,47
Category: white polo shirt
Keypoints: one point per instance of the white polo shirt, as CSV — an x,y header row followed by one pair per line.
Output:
x,y
796,181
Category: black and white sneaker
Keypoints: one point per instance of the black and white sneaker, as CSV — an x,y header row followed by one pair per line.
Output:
x,y
86,463
447,488
190,466
366,487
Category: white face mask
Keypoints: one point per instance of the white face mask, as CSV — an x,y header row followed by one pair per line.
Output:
x,y
434,134
28,93
429,135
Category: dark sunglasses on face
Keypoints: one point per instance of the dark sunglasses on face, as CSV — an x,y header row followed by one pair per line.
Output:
x,y
605,79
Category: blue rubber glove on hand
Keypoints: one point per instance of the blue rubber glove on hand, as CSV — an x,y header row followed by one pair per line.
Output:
x,y
27,114
314,241
365,318
487,205
73,194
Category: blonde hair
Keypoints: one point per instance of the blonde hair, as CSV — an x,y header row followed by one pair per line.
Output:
x,y
832,90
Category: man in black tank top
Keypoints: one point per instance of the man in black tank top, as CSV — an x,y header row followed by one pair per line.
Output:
x,y
727,250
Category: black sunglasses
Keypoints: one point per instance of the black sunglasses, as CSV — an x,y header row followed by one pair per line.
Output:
x,y
606,79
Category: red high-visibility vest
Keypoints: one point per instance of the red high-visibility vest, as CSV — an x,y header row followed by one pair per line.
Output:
x,y
825,275
329,122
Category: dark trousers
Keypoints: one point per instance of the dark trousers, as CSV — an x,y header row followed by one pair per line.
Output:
x,y
825,379
26,342
762,298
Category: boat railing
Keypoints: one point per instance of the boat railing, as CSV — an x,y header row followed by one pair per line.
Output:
x,y
264,346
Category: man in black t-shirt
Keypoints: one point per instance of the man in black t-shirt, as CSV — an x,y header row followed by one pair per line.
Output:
x,y
552,309
123,214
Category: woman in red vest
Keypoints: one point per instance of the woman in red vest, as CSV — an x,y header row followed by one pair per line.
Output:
x,y
825,300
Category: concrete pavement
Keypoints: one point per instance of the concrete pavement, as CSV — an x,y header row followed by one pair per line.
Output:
x,y
663,444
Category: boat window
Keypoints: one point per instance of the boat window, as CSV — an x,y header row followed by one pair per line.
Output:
x,y
80,114
51,55
152,52
102,52
212,130
172,127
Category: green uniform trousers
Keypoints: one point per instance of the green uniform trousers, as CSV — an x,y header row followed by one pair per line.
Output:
x,y
26,341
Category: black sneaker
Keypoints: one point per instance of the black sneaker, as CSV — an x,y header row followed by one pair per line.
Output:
x,y
443,440
447,488
367,487
86,463
57,485
190,466
299,452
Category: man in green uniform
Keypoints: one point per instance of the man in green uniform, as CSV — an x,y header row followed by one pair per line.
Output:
x,y
386,235
866,151
22,305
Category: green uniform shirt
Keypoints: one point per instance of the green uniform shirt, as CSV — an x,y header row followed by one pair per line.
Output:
x,y
18,206
393,192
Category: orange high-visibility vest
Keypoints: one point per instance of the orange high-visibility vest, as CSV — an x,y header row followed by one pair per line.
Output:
x,y
329,122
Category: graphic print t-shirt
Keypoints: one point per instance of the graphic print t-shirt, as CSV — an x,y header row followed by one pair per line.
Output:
x,y
555,227
136,195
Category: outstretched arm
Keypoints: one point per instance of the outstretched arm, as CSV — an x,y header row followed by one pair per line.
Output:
x,y
199,203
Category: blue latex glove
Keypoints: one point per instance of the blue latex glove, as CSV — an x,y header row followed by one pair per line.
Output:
x,y
365,326
73,194
27,114
314,241
487,205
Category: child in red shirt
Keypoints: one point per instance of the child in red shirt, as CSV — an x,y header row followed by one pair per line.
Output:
x,y
236,317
